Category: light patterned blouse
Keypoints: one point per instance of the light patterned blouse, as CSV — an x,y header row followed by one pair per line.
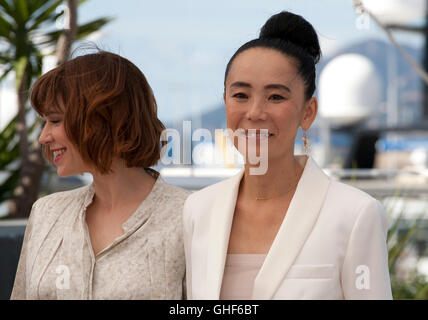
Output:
x,y
146,262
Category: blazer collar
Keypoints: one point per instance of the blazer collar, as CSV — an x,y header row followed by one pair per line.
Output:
x,y
220,225
295,228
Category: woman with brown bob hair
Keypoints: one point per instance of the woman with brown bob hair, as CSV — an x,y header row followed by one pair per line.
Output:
x,y
121,236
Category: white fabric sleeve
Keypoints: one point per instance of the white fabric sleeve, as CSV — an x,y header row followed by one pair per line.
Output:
x,y
365,273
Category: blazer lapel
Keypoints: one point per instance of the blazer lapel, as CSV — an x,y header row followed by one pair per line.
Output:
x,y
221,218
297,225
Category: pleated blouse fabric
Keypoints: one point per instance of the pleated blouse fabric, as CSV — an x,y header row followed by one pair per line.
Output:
x,y
146,262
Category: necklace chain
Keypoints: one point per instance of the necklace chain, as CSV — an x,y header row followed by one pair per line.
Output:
x,y
293,186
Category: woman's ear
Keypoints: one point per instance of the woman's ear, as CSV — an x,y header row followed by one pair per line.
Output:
x,y
309,113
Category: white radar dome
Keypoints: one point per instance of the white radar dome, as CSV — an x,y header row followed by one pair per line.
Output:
x,y
396,11
349,89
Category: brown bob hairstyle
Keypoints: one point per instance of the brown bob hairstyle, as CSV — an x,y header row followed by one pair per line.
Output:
x,y
108,109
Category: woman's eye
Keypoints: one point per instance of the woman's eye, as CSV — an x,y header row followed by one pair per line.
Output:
x,y
54,121
240,95
276,97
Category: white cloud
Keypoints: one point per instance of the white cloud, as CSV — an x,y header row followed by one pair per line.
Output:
x,y
8,100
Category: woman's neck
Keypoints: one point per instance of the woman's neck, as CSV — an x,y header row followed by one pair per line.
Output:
x,y
122,187
280,179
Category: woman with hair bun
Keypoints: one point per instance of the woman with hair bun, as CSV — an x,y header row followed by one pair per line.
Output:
x,y
121,236
291,232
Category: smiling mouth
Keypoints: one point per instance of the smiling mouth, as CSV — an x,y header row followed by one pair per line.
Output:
x,y
58,154
254,133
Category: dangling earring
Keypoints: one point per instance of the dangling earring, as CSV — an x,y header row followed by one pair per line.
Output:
x,y
306,143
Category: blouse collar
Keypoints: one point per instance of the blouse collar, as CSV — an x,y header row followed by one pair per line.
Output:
x,y
143,211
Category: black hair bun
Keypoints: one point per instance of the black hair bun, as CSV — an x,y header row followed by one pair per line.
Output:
x,y
295,29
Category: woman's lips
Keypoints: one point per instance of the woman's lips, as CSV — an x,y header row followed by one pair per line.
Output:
x,y
58,154
257,134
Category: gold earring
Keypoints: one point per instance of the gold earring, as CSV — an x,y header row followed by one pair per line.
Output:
x,y
306,143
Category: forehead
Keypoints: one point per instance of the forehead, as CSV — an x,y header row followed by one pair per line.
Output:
x,y
263,66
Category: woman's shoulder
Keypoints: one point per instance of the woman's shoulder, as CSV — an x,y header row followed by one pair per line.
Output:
x,y
344,192
343,203
351,203
168,202
56,203
203,199
61,196
47,210
171,194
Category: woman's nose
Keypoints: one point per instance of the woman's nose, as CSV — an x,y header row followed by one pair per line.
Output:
x,y
45,135
257,111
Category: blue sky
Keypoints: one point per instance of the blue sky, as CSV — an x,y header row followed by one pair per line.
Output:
x,y
183,46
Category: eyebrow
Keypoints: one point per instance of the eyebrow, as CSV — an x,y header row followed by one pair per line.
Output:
x,y
240,84
278,86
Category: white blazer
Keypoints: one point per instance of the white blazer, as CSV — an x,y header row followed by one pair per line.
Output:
x,y
330,245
